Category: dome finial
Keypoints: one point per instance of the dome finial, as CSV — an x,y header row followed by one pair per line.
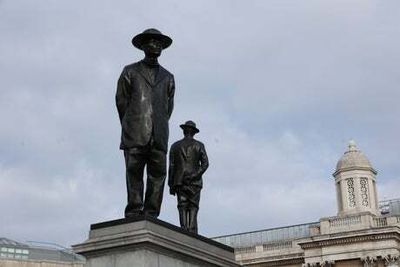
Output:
x,y
353,159
352,145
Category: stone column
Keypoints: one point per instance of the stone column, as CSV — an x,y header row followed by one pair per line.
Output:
x,y
319,264
369,261
392,260
327,263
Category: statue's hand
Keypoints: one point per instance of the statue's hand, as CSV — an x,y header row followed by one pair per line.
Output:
x,y
190,177
193,177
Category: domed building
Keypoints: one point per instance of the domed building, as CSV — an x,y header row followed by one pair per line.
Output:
x,y
364,232
353,159
355,183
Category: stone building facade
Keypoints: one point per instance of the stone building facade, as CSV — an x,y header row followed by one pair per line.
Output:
x,y
361,234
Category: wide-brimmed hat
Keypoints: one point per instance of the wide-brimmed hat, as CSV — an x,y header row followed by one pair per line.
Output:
x,y
190,124
142,38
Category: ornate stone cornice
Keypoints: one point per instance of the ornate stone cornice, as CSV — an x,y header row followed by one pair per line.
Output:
x,y
297,258
331,241
355,169
391,259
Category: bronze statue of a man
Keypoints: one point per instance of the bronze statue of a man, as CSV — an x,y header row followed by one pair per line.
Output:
x,y
188,161
145,100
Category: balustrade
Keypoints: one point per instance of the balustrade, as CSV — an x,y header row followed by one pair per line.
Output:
x,y
380,222
345,221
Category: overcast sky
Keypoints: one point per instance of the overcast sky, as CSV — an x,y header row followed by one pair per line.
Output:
x,y
277,88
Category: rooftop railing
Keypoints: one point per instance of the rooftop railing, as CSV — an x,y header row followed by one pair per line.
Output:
x,y
266,236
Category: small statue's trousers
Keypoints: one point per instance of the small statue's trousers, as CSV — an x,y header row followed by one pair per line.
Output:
x,y
155,161
188,207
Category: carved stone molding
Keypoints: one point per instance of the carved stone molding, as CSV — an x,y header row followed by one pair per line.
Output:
x,y
281,260
350,192
327,263
319,264
350,239
369,261
391,260
364,192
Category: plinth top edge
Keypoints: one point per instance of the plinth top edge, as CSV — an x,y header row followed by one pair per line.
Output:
x,y
170,226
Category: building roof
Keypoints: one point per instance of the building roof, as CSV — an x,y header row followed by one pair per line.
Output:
x,y
267,235
8,242
390,207
353,159
11,249
387,207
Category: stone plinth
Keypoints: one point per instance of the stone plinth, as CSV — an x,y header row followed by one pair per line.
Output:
x,y
148,242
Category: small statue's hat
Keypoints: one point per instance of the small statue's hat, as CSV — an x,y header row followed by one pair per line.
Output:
x,y
190,124
142,38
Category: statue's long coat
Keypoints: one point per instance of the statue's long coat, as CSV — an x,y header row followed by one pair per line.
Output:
x,y
144,106
187,159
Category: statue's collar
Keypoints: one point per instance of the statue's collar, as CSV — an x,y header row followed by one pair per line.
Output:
x,y
150,63
161,74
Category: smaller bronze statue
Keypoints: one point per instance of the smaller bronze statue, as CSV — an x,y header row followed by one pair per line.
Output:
x,y
187,162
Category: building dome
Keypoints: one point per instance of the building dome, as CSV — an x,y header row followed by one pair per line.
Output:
x,y
353,159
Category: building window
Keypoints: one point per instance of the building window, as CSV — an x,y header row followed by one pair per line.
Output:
x,y
14,253
350,191
364,192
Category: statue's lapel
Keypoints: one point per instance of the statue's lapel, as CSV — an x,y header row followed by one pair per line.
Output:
x,y
144,73
162,73
184,149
